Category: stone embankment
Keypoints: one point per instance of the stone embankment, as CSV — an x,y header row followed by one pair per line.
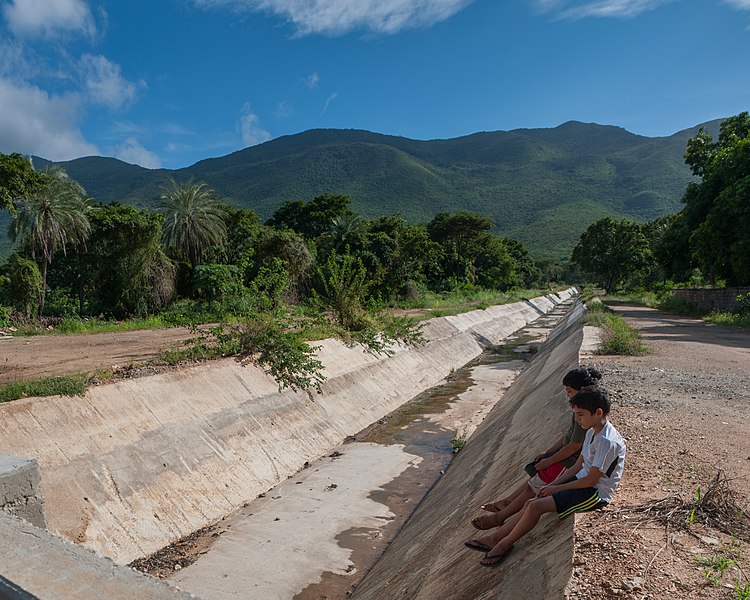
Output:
x,y
135,465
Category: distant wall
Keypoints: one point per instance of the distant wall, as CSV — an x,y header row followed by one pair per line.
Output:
x,y
711,299
135,465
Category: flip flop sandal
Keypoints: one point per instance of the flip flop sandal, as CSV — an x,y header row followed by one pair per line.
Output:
x,y
477,545
493,561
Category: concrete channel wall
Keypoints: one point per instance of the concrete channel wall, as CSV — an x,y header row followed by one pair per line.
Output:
x,y
427,559
132,466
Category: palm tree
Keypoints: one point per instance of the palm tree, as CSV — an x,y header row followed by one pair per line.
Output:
x,y
345,230
193,219
51,218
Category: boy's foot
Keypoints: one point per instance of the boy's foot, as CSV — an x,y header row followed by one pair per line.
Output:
x,y
490,560
487,522
477,545
495,506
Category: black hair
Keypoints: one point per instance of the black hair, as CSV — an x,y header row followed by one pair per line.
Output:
x,y
591,399
581,377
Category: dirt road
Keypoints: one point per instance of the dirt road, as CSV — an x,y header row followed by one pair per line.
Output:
x,y
24,358
683,409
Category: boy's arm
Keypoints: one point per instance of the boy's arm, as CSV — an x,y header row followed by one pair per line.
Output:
x,y
569,472
554,448
589,480
562,453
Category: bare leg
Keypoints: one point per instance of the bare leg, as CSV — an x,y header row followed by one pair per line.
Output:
x,y
527,520
503,502
522,494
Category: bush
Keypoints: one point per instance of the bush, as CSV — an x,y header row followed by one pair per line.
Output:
x,y
24,287
5,316
217,283
743,305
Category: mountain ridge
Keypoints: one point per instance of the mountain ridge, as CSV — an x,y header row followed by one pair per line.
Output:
x,y
543,186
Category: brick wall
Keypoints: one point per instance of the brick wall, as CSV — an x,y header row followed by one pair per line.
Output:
x,y
724,299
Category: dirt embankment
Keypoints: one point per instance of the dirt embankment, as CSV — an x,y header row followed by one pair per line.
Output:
x,y
25,358
684,411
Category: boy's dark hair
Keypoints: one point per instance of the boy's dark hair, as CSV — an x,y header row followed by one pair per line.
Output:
x,y
590,399
581,377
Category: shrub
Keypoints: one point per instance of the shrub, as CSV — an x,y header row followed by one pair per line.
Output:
x,y
24,287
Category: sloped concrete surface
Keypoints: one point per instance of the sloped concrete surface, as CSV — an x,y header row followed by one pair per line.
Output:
x,y
428,560
135,465
50,567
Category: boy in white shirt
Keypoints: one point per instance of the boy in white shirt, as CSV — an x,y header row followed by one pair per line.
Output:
x,y
587,485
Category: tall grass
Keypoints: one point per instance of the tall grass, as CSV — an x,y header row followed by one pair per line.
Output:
x,y
66,385
617,336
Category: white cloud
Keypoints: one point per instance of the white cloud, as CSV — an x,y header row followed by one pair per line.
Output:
x,y
574,9
284,110
48,18
132,152
250,129
330,99
739,4
337,17
104,82
35,122
312,81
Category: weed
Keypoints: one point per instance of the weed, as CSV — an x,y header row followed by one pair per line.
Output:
x,y
714,568
696,504
457,444
741,592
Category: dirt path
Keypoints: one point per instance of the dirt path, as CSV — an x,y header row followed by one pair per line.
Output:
x,y
683,410
24,358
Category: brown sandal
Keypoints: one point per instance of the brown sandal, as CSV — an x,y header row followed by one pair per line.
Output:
x,y
494,507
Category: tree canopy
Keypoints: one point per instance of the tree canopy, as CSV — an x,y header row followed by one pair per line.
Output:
x,y
612,250
717,209
18,179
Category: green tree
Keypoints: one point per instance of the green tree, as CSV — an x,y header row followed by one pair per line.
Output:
x,y
612,250
53,217
717,209
193,219
311,219
18,180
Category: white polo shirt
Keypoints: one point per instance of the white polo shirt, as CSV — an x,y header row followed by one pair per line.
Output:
x,y
606,451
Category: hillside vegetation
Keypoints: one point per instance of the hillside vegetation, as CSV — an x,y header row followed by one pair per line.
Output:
x,y
541,186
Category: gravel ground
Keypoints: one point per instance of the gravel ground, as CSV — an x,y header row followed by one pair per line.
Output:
x,y
683,409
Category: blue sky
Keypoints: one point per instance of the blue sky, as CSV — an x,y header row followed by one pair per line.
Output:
x,y
165,83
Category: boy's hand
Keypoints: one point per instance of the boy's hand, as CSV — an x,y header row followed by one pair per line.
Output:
x,y
543,464
547,490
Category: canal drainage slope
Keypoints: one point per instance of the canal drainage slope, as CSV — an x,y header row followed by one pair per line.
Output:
x,y
428,560
132,466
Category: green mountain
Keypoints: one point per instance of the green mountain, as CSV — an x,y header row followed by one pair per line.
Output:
x,y
541,186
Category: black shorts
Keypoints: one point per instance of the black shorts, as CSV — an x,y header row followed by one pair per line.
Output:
x,y
581,500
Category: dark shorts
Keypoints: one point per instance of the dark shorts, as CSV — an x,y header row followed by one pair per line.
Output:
x,y
580,500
